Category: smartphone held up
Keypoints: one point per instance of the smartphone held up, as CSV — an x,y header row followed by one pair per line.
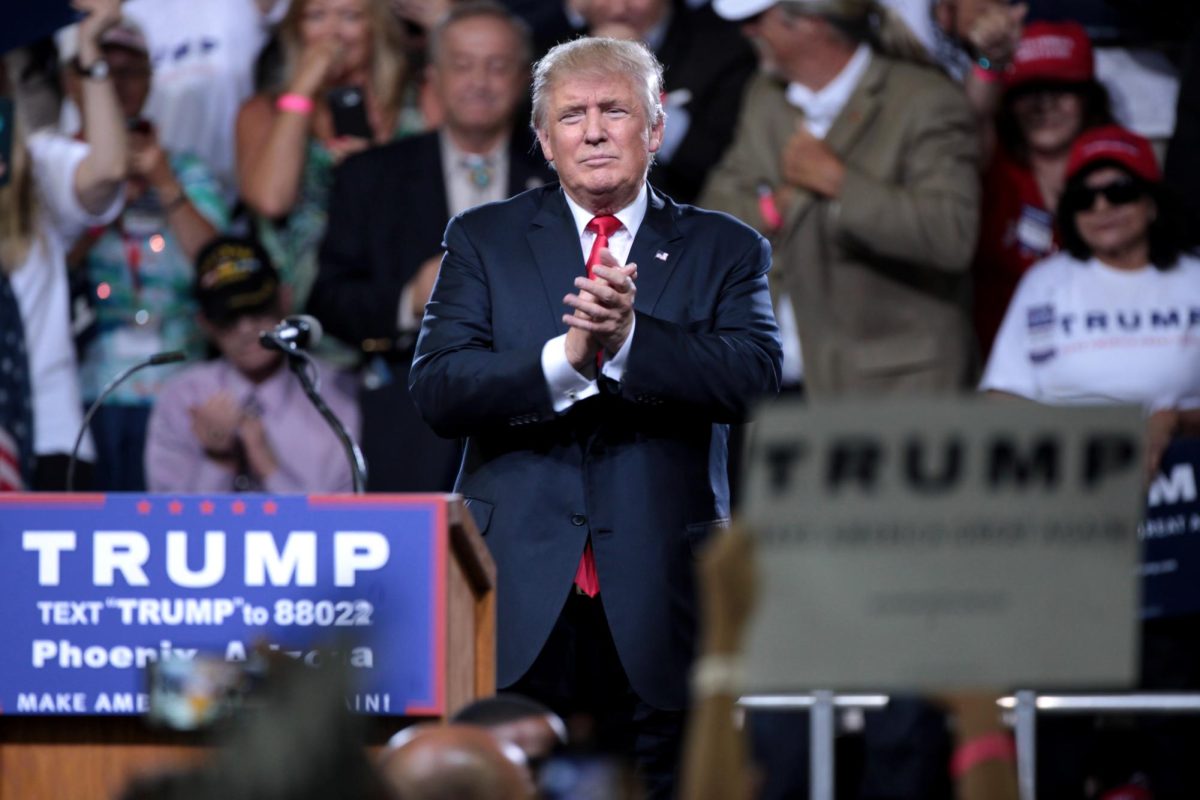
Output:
x,y
348,106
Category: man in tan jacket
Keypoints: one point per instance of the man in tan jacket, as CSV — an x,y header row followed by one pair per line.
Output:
x,y
860,162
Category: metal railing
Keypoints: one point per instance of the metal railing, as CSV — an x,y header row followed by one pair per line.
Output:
x,y
1022,707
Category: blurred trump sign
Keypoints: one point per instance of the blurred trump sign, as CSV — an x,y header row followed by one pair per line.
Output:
x,y
950,543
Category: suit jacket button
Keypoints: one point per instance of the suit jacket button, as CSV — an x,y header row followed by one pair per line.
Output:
x,y
578,520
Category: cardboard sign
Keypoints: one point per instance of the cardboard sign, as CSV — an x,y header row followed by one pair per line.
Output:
x,y
944,543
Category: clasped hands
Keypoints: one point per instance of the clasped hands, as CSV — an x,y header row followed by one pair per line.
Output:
x,y
603,317
220,425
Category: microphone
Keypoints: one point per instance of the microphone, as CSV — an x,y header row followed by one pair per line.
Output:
x,y
291,337
169,357
297,332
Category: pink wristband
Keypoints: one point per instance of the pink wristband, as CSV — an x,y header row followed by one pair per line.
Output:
x,y
996,746
768,209
296,103
985,75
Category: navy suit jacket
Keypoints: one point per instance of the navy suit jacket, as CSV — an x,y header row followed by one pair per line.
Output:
x,y
642,466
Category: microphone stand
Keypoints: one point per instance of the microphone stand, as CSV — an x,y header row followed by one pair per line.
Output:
x,y
297,360
153,361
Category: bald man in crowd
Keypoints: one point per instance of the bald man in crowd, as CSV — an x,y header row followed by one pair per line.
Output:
x,y
456,762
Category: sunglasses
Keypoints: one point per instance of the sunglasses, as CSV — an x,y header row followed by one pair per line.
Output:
x,y
1117,193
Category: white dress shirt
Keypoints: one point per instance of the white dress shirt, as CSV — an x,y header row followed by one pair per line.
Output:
x,y
462,192
822,107
567,386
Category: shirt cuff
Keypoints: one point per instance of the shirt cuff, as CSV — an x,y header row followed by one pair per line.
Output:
x,y
615,367
406,320
567,387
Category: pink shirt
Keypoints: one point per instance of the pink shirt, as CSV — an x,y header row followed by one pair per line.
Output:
x,y
310,457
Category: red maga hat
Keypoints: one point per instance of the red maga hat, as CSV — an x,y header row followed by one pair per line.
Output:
x,y
1112,143
1052,52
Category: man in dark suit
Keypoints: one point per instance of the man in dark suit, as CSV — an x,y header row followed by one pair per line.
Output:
x,y
593,486
387,212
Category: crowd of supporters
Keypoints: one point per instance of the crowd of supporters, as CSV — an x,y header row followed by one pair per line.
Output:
x,y
960,195
904,212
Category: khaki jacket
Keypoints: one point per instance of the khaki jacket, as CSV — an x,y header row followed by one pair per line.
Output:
x,y
877,277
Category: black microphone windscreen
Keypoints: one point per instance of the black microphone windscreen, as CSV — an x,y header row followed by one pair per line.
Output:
x,y
315,331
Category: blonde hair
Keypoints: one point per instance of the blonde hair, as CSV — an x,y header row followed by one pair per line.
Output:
x,y
18,204
600,57
388,67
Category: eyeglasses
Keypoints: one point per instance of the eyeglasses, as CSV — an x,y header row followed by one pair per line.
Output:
x,y
1117,193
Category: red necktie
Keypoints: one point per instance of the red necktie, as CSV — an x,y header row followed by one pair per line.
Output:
x,y
585,575
603,227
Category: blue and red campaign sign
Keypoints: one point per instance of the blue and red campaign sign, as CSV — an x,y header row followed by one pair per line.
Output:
x,y
1171,535
94,587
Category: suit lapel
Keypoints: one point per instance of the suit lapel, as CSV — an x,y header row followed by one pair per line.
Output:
x,y
859,110
854,119
656,251
555,247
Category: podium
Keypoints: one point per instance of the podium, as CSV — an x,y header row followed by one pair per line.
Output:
x,y
94,585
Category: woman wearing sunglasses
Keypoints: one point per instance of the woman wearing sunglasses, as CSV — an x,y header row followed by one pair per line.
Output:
x,y
1115,316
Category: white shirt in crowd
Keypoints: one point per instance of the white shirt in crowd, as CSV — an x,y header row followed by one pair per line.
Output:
x,y
464,189
40,286
1086,333
823,106
203,53
1143,86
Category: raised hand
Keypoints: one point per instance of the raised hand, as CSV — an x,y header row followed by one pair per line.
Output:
x,y
318,61
996,32
344,146
101,15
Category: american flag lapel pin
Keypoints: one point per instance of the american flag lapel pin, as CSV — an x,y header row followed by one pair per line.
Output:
x,y
661,255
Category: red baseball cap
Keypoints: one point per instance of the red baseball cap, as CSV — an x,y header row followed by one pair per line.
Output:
x,y
1052,52
1114,144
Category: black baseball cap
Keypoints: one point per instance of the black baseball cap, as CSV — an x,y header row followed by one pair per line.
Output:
x,y
234,277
